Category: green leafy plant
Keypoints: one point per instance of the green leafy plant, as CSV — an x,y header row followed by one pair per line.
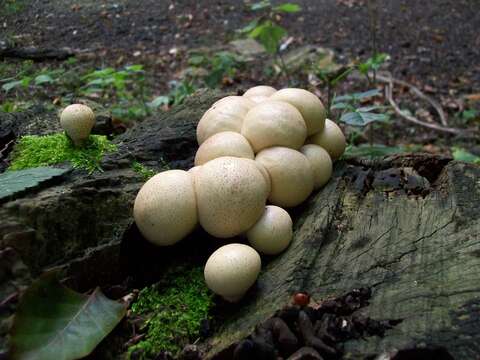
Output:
x,y
142,170
378,150
266,29
463,155
174,311
370,67
54,322
34,151
356,115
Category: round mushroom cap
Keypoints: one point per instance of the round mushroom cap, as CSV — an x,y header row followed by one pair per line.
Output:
x,y
260,90
331,139
265,174
225,143
259,99
165,208
321,163
225,115
308,104
273,232
274,123
231,195
77,120
231,270
291,175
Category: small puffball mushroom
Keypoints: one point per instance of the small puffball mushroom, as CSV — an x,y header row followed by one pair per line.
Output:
x,y
331,139
225,115
231,195
291,175
308,104
260,90
321,163
231,270
165,208
225,143
274,123
77,120
273,232
265,174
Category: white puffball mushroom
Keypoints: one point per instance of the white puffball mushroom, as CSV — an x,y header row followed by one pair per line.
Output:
x,y
291,175
273,232
274,123
321,163
225,143
165,208
231,270
260,90
225,115
308,104
331,139
259,99
266,175
77,120
231,196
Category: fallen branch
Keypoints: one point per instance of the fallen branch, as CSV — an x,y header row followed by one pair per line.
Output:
x,y
399,112
419,93
36,54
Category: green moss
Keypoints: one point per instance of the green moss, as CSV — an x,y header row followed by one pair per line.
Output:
x,y
141,169
174,313
34,151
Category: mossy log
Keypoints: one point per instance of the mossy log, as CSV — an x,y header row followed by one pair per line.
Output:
x,y
405,226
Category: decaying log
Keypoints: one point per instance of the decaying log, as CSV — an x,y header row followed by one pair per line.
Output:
x,y
404,227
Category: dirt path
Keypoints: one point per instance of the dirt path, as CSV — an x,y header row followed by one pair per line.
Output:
x,y
437,41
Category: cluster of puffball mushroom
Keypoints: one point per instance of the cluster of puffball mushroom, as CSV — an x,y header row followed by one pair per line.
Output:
x,y
266,146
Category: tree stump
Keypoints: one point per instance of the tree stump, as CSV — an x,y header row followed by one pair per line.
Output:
x,y
406,227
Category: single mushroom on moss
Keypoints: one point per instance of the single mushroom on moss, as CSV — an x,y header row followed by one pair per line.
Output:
x,y
165,208
226,114
331,139
77,120
231,196
274,123
260,90
291,175
225,143
273,232
231,270
321,163
308,104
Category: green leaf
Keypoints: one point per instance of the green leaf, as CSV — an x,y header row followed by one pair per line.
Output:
x,y
11,85
43,79
196,60
249,27
287,8
269,35
159,101
358,96
361,118
463,155
14,182
54,322
260,5
340,106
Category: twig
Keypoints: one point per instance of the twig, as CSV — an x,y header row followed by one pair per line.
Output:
x,y
419,93
398,111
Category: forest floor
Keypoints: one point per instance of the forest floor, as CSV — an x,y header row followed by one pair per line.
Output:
x,y
434,46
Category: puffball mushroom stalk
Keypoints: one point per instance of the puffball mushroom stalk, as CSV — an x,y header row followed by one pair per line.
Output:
x,y
231,270
77,120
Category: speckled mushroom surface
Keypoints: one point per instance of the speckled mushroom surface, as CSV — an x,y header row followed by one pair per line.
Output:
x,y
331,139
309,105
231,270
321,163
273,232
226,114
77,120
274,123
291,175
165,208
231,196
226,143
260,90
